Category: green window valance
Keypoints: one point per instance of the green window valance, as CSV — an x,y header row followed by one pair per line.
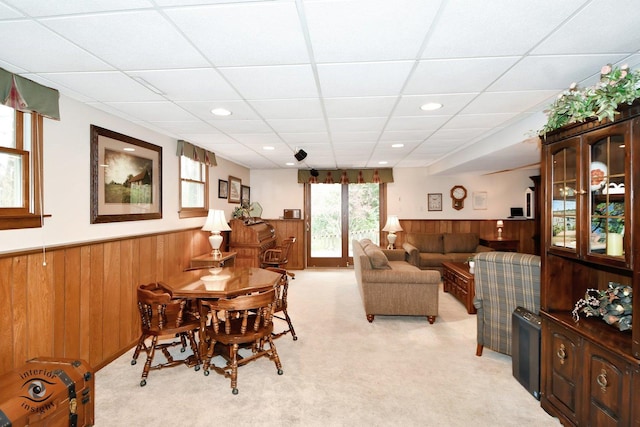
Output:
x,y
28,96
196,153
346,176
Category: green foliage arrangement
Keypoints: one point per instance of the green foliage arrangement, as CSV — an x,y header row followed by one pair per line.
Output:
x,y
612,304
616,86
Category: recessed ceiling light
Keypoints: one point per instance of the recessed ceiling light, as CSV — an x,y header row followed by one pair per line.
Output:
x,y
430,106
289,163
383,162
268,148
129,149
398,145
220,112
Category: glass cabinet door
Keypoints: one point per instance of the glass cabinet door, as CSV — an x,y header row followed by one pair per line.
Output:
x,y
563,207
607,195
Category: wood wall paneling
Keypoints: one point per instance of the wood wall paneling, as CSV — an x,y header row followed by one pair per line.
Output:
x,y
82,303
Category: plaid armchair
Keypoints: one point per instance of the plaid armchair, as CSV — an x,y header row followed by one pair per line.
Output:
x,y
503,281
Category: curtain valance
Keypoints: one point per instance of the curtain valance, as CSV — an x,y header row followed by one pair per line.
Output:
x,y
28,96
196,153
345,176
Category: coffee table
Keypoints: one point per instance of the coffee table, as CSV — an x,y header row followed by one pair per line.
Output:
x,y
457,280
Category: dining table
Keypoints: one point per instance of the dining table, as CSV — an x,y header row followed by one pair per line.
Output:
x,y
216,283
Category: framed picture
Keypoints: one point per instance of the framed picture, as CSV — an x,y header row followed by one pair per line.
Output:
x,y
126,178
223,189
434,201
480,200
235,188
245,194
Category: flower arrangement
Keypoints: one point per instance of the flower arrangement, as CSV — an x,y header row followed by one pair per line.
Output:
x,y
616,86
612,304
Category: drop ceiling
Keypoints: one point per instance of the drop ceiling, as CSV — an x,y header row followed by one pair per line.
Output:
x,y
342,80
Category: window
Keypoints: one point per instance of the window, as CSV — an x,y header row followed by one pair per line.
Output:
x,y
194,188
20,169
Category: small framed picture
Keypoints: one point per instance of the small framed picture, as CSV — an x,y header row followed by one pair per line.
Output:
x,y
223,189
434,201
235,188
245,194
479,200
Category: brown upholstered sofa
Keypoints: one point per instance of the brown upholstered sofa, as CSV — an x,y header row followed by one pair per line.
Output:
x,y
429,251
389,285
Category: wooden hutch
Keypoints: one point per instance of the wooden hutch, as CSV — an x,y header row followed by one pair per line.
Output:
x,y
250,239
590,370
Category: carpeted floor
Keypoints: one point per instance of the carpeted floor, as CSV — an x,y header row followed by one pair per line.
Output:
x,y
342,371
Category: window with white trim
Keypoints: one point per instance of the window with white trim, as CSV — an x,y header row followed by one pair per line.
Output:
x,y
194,188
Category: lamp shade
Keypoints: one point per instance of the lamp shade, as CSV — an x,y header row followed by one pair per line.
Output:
x,y
500,223
392,224
216,221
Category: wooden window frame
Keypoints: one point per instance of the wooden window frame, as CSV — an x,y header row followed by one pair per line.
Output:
x,y
30,215
193,212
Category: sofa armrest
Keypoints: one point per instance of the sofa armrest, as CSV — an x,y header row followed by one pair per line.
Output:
x,y
413,254
481,248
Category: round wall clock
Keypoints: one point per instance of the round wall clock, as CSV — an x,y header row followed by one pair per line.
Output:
x,y
458,194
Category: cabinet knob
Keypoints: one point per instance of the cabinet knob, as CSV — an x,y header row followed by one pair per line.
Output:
x,y
602,380
562,354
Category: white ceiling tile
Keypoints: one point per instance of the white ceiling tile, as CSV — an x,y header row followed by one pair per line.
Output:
x,y
358,124
342,137
288,108
363,79
409,105
378,106
508,28
104,86
503,102
185,127
305,137
278,81
240,110
202,84
258,138
404,135
427,123
478,121
130,40
153,111
551,72
51,53
456,75
607,20
245,34
242,126
209,138
298,125
7,12
367,30
45,8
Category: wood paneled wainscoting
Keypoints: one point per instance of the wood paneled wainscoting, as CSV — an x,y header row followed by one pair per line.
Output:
x,y
82,302
522,230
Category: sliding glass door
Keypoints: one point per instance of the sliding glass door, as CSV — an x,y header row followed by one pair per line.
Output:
x,y
339,213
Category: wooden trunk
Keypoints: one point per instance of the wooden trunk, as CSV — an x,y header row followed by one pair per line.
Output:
x,y
48,392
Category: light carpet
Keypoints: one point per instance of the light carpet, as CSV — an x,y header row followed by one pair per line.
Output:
x,y
341,371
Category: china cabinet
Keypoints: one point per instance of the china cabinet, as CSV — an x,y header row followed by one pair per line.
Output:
x,y
590,369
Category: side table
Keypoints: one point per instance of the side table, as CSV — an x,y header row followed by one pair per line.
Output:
x,y
500,243
457,280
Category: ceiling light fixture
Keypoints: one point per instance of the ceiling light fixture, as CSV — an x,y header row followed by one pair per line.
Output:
x,y
398,145
289,163
220,112
431,106
382,162
268,148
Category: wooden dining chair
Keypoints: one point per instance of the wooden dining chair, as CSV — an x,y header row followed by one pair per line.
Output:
x,y
278,256
162,316
236,322
282,290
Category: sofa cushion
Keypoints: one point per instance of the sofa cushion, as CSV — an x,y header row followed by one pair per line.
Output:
x,y
426,242
460,242
377,258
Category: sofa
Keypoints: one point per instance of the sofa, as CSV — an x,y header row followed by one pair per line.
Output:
x,y
503,281
389,285
429,251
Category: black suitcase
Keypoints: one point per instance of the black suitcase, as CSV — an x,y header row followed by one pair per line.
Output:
x,y
48,392
525,349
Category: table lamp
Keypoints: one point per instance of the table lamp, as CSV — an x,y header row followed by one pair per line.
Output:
x,y
391,227
215,223
500,224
